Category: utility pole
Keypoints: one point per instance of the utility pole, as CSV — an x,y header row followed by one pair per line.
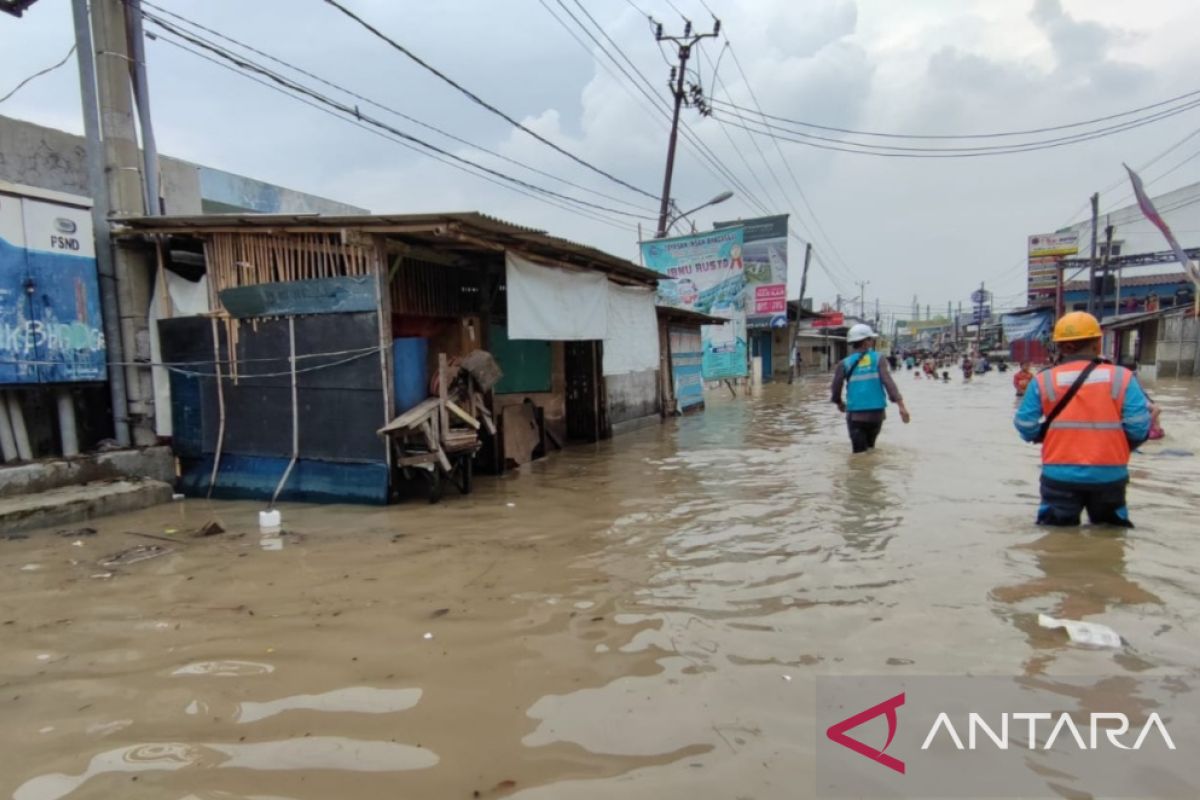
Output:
x,y
116,182
684,44
839,302
1091,304
1108,237
799,310
876,313
862,299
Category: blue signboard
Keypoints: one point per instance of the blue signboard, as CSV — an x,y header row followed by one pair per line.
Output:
x,y
707,275
51,330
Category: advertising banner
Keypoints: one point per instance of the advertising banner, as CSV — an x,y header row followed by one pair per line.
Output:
x,y
51,330
707,275
1046,253
764,252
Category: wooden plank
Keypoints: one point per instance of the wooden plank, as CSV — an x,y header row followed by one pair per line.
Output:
x,y
413,418
461,414
443,377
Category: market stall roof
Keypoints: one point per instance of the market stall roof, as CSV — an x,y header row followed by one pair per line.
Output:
x,y
466,230
1130,320
688,317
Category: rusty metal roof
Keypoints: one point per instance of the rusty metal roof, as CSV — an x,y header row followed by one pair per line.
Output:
x,y
464,229
1129,281
688,317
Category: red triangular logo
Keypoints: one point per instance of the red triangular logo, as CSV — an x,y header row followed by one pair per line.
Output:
x,y
837,732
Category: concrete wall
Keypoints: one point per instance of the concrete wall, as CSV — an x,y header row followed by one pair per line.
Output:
x,y
52,159
632,397
1177,347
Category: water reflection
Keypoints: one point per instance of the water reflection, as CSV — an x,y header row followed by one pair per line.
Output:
x,y
1082,575
317,752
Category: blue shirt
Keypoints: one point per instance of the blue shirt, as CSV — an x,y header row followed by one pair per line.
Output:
x,y
1135,419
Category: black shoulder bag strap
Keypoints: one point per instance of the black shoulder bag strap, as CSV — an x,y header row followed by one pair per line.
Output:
x,y
1066,398
848,373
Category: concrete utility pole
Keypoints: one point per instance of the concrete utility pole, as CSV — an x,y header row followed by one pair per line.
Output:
x,y
862,299
839,302
799,310
1108,237
104,254
684,44
1091,303
109,53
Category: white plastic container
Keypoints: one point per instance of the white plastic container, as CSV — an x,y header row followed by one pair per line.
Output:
x,y
270,519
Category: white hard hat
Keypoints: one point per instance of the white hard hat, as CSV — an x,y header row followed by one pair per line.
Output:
x,y
859,332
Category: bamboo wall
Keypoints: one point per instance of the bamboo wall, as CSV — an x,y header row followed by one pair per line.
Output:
x,y
247,259
422,288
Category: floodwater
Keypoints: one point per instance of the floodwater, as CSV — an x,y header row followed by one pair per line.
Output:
x,y
641,618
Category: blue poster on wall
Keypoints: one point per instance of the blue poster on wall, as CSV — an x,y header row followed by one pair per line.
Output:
x,y
51,330
707,275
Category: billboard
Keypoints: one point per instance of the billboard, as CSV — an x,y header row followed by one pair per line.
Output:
x,y
764,252
1046,252
1053,245
707,275
51,330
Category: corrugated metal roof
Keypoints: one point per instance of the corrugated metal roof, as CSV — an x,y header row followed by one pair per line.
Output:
x,y
672,314
462,228
1129,320
1162,279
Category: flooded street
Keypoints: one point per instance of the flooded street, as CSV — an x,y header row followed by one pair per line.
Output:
x,y
642,618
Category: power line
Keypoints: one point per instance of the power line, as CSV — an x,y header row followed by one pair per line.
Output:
x,y
1001,134
803,196
38,74
483,103
351,93
898,151
646,89
241,66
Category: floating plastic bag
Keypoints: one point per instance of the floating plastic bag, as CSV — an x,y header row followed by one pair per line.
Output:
x,y
1089,633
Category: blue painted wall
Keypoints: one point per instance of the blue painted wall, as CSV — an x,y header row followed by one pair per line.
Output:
x,y
51,329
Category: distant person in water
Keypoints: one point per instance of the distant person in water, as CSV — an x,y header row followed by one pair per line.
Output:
x,y
1022,378
869,385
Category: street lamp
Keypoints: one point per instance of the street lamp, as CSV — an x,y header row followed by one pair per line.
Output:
x,y
721,198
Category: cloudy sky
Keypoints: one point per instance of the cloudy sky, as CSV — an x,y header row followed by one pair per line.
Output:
x,y
928,227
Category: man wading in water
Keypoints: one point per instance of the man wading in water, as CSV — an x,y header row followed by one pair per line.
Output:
x,y
869,386
1087,414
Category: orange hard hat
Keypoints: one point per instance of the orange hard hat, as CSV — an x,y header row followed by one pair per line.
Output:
x,y
1076,326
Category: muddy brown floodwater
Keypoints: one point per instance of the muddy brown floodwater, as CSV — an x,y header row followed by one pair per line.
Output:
x,y
642,618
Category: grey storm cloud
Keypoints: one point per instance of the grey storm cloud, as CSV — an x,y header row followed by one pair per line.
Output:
x,y
926,227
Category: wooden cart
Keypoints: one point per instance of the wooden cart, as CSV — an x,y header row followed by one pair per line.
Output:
x,y
438,438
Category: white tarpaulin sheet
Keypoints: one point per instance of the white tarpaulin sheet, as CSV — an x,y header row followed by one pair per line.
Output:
x,y
554,304
187,299
632,341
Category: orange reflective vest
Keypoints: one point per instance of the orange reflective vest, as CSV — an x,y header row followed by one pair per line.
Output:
x,y
1089,430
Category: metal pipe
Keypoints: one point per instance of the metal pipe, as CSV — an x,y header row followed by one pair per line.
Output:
x,y
17,416
85,55
295,415
66,421
212,479
8,445
141,96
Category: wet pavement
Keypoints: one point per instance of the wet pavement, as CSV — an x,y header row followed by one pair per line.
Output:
x,y
641,618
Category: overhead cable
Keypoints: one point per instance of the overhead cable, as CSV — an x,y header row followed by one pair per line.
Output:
x,y
483,103
997,135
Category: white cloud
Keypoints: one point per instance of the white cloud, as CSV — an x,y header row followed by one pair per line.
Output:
x,y
929,227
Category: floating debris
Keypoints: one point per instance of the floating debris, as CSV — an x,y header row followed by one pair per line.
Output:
x,y
132,555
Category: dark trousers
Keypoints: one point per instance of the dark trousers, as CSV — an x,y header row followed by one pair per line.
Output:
x,y
863,434
1063,503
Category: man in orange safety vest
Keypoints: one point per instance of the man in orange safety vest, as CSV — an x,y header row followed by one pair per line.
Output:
x,y
1088,415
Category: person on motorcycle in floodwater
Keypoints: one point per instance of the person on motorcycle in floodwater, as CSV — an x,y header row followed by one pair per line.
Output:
x,y
869,386
1088,415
